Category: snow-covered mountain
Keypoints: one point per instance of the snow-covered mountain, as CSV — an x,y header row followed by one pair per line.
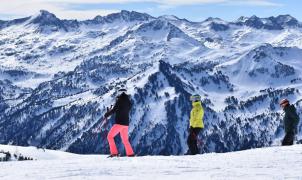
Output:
x,y
263,163
58,76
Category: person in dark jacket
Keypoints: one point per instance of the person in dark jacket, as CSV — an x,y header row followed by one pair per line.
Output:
x,y
291,121
121,110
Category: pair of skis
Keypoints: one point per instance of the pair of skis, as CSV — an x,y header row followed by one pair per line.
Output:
x,y
119,155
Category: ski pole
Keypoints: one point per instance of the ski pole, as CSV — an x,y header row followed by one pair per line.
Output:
x,y
99,128
104,120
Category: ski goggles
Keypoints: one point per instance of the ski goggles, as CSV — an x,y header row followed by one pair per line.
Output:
x,y
121,91
195,98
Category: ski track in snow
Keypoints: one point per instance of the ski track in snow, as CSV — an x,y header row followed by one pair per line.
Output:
x,y
265,163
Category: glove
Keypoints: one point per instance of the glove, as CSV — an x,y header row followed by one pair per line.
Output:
x,y
106,115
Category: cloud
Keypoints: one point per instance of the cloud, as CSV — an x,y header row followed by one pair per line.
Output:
x,y
64,8
177,2
20,8
168,2
263,3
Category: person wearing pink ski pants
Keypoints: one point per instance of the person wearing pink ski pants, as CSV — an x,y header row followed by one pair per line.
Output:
x,y
121,110
123,130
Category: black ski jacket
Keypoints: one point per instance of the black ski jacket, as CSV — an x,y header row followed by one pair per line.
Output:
x,y
121,109
291,119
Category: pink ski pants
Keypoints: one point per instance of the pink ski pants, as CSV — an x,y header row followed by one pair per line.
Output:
x,y
123,130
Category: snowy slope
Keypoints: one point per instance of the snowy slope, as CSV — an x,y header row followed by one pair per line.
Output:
x,y
265,163
37,153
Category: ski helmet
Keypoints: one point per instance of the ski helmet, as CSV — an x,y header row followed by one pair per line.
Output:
x,y
195,97
121,90
284,102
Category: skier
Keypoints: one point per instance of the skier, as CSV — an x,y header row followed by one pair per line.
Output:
x,y
291,120
121,109
196,123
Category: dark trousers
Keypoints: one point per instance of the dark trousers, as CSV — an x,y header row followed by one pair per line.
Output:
x,y
192,140
288,139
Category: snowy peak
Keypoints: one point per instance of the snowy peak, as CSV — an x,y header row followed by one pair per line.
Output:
x,y
286,20
253,21
169,17
155,25
272,23
212,19
162,27
172,18
48,22
45,18
242,19
216,24
126,16
135,16
98,18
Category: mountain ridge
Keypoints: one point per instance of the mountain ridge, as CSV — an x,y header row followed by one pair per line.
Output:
x,y
58,76
253,21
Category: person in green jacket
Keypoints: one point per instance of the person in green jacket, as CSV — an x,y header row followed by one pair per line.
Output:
x,y
196,124
291,121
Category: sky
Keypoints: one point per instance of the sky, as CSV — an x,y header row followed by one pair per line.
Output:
x,y
193,10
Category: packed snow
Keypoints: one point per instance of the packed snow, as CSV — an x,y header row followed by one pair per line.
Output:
x,y
265,163
56,85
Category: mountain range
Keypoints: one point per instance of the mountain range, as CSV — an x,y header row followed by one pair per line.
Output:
x,y
58,76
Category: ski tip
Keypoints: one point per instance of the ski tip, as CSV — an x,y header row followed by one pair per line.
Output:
x,y
114,155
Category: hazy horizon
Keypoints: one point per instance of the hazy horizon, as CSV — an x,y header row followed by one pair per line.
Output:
x,y
192,10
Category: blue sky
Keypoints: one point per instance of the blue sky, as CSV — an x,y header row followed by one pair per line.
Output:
x,y
194,10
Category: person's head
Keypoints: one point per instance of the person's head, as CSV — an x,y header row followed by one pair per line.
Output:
x,y
284,103
121,91
195,98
